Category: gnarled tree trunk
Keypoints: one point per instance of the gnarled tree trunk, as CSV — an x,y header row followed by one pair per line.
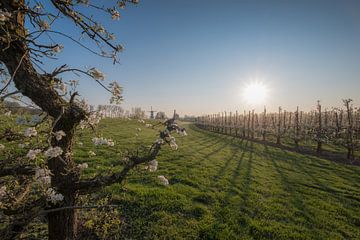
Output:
x,y
14,54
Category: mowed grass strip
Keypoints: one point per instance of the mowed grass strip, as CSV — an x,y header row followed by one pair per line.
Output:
x,y
227,188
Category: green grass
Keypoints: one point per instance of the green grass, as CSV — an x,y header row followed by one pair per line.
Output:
x,y
226,188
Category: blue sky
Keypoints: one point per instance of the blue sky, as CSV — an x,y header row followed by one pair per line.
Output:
x,y
196,56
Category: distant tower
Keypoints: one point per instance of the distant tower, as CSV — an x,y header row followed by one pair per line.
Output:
x,y
152,113
175,116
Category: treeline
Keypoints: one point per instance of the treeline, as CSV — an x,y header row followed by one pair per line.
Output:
x,y
338,128
16,108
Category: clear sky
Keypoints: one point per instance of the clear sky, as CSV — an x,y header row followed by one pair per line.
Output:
x,y
196,56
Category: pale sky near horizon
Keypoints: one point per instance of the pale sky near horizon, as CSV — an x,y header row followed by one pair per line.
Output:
x,y
197,56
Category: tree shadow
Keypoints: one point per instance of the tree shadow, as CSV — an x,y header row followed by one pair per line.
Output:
x,y
235,152
289,187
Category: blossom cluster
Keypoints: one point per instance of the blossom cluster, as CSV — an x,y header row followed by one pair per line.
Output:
x,y
42,176
33,153
53,196
116,92
163,180
59,135
53,152
30,132
103,141
152,166
96,74
82,166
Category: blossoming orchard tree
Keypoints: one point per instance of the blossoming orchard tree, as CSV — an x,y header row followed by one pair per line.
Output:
x,y
46,179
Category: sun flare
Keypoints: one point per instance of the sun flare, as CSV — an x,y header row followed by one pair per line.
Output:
x,y
255,93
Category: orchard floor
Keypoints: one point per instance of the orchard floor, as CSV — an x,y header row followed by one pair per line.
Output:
x,y
226,188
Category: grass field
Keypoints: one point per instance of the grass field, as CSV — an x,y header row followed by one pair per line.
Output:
x,y
226,188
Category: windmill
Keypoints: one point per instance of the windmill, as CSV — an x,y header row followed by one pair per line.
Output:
x,y
152,113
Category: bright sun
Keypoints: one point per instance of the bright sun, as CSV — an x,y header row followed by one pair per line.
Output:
x,y
255,93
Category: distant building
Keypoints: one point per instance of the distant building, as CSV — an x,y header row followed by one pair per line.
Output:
x,y
160,115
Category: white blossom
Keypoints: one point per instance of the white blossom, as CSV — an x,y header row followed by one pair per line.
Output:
x,y
32,153
61,86
2,147
30,132
115,15
96,74
119,48
116,92
163,180
91,154
112,37
84,104
44,25
42,176
160,141
58,48
173,144
121,5
141,121
111,143
102,141
53,196
152,166
8,114
80,144
59,135
53,152
82,166
182,133
148,125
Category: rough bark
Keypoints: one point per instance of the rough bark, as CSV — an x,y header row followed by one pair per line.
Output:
x,y
14,54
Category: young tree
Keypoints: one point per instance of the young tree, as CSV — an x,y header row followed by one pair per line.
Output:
x,y
47,178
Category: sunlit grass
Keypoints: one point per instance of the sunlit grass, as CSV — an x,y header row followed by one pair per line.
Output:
x,y
226,188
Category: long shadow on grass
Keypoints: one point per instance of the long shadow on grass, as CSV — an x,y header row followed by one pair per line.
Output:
x,y
296,198
318,185
221,172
